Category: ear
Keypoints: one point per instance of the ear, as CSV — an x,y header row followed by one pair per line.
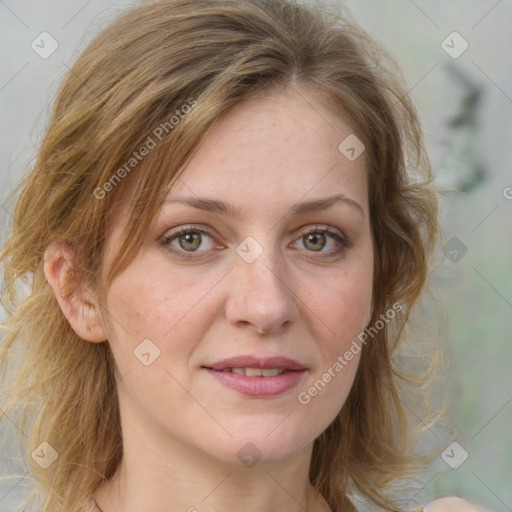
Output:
x,y
76,301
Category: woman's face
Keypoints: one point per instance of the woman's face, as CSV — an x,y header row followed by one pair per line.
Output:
x,y
254,275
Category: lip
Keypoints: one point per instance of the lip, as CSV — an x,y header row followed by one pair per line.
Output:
x,y
259,387
247,361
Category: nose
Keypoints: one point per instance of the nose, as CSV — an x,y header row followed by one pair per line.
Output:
x,y
261,296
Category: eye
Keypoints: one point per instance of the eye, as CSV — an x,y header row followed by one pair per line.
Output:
x,y
317,239
187,239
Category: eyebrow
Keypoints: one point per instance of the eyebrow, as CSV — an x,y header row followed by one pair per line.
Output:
x,y
219,207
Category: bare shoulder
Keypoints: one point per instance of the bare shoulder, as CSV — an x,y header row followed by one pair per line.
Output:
x,y
453,504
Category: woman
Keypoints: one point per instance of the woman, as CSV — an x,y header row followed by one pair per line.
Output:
x,y
225,246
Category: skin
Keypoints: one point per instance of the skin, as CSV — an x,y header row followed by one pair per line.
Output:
x,y
182,429
453,504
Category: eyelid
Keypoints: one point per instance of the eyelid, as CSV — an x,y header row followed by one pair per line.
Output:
x,y
314,228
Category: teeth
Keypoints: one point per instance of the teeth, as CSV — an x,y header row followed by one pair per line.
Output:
x,y
253,372
271,372
256,372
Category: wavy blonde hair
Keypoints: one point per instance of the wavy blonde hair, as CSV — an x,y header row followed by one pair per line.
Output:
x,y
131,78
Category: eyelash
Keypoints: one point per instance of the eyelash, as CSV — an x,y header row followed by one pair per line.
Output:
x,y
343,242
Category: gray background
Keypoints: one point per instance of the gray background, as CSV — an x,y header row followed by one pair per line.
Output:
x,y
473,281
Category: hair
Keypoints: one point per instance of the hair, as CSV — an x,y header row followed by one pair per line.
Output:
x,y
141,70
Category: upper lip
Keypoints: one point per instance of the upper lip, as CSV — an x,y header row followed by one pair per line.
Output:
x,y
246,361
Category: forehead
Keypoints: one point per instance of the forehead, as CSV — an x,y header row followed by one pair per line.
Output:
x,y
275,148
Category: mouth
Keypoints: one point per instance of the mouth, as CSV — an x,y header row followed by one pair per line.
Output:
x,y
258,377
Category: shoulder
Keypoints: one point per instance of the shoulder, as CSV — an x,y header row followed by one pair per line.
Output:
x,y
452,504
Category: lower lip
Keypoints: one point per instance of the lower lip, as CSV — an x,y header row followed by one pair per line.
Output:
x,y
258,386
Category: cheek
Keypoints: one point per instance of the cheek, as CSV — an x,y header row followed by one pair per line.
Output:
x,y
344,308
147,303
152,298
142,306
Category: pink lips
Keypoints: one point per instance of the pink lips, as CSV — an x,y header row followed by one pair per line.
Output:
x,y
258,386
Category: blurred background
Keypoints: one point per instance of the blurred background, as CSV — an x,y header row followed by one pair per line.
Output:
x,y
454,57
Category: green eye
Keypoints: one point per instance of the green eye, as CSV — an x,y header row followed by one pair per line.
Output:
x,y
190,241
317,241
187,239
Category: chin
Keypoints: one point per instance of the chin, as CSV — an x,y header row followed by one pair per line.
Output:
x,y
264,441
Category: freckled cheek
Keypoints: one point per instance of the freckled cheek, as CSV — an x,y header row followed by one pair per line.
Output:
x,y
143,307
166,312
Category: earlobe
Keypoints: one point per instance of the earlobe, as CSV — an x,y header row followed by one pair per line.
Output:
x,y
77,303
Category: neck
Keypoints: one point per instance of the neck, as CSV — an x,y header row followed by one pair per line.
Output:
x,y
268,487
113,496
165,473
